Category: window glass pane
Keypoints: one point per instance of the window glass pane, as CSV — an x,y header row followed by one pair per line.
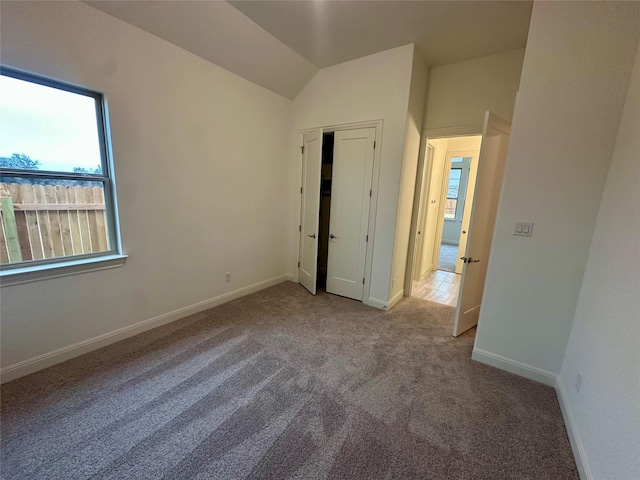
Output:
x,y
46,128
454,182
457,159
51,218
450,208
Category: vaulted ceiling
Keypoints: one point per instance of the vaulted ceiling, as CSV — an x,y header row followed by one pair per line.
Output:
x,y
280,44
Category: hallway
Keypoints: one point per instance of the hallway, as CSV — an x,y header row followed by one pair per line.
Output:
x,y
438,286
448,257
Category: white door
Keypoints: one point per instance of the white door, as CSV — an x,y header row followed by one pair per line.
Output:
x,y
435,208
422,206
493,153
353,153
466,215
310,192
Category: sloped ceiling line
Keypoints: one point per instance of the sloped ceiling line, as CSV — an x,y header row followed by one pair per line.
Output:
x,y
280,45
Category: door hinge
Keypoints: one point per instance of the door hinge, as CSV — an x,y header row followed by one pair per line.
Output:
x,y
302,149
298,264
367,240
374,144
300,190
363,280
299,228
370,192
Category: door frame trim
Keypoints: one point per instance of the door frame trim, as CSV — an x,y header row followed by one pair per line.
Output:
x,y
418,215
377,124
426,135
462,131
442,201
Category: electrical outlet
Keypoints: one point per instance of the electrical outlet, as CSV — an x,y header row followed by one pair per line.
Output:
x,y
578,382
227,277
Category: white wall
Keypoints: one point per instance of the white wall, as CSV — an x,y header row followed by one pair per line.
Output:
x,y
464,144
574,80
451,232
460,93
199,155
413,129
604,345
369,88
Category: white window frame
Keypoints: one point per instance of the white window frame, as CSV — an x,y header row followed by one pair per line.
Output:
x,y
32,270
464,166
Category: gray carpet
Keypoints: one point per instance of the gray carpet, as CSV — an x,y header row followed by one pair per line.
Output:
x,y
280,384
448,257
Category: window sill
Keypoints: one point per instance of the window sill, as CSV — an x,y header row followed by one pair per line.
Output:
x,y
45,272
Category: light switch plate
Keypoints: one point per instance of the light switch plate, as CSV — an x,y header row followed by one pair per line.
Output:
x,y
523,229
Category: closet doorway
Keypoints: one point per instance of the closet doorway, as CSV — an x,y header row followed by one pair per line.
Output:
x,y
337,209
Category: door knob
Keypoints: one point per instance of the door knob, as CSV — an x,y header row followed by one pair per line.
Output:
x,y
468,260
464,231
331,235
312,236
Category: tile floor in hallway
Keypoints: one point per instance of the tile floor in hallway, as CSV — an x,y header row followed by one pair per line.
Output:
x,y
438,286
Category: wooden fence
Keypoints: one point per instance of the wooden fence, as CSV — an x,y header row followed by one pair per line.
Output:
x,y
48,221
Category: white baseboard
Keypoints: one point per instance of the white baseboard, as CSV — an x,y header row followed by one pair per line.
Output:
x,y
395,299
574,435
426,271
513,366
31,365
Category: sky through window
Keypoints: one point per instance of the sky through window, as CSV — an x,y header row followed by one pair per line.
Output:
x,y
55,127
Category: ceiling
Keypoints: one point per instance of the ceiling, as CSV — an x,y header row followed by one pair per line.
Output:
x,y
216,31
280,44
330,32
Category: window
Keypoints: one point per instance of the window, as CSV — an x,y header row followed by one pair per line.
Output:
x,y
56,187
453,193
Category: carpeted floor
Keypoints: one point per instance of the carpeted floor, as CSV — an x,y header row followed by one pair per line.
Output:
x,y
280,384
448,257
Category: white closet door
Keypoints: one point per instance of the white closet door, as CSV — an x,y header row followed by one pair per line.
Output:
x,y
350,202
311,167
